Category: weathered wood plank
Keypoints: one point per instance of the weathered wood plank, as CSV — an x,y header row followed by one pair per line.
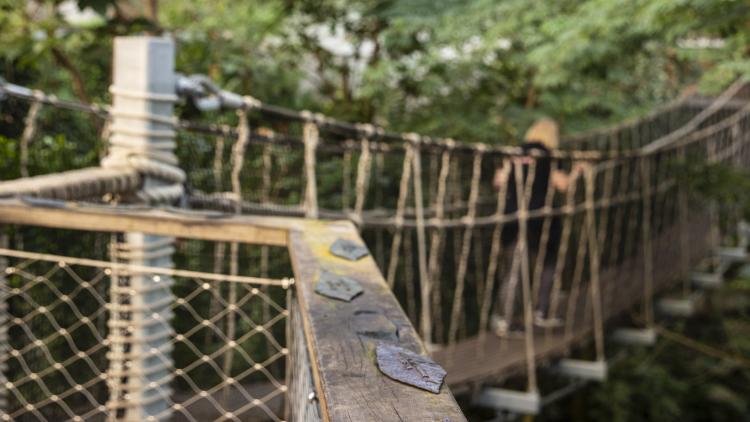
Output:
x,y
342,336
195,225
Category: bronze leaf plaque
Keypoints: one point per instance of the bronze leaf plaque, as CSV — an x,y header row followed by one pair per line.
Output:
x,y
348,250
337,286
410,368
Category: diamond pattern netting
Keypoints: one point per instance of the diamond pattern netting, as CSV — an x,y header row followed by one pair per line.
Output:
x,y
57,340
228,343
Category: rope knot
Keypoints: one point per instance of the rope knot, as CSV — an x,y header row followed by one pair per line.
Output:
x,y
306,115
412,138
310,117
40,96
469,221
367,129
251,103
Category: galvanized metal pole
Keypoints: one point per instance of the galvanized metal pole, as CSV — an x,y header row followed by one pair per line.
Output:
x,y
142,137
4,415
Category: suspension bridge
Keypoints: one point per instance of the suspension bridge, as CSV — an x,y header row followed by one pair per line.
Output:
x,y
291,266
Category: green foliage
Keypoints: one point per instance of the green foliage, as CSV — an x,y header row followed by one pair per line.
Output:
x,y
678,381
478,70
725,184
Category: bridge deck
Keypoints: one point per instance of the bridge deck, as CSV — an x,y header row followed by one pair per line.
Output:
x,y
487,357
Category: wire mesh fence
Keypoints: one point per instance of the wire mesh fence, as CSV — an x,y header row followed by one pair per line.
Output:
x,y
81,333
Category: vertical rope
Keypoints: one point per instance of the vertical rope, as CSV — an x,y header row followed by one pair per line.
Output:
x,y
510,289
346,189
436,238
219,247
408,280
265,198
379,233
541,254
363,178
403,192
465,246
238,158
478,267
631,233
525,279
609,181
29,131
593,247
494,256
424,277
310,136
572,306
711,158
562,252
648,253
619,219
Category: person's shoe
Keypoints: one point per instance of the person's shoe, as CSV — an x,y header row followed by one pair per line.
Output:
x,y
499,325
541,321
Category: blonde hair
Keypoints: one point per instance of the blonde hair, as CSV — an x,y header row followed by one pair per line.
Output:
x,y
544,131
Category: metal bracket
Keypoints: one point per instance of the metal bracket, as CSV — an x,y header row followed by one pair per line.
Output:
x,y
525,402
410,368
347,249
707,280
635,336
676,307
337,286
583,369
733,254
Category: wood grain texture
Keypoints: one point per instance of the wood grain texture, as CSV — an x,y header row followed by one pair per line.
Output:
x,y
195,225
342,336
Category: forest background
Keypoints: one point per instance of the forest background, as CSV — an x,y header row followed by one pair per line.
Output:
x,y
477,70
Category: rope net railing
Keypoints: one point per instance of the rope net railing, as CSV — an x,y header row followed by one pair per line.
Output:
x,y
488,248
94,337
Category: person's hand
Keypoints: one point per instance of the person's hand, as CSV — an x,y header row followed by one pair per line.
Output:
x,y
500,179
580,167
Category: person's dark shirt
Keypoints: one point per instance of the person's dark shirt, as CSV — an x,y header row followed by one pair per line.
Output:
x,y
541,174
542,178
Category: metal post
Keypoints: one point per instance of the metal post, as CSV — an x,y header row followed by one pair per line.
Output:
x,y
142,137
4,415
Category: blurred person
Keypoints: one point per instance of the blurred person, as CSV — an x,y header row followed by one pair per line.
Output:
x,y
540,140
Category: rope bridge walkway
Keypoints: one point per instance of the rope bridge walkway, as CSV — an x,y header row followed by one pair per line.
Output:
x,y
190,275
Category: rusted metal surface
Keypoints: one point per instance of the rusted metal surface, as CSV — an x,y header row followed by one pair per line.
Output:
x,y
347,249
410,368
337,286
